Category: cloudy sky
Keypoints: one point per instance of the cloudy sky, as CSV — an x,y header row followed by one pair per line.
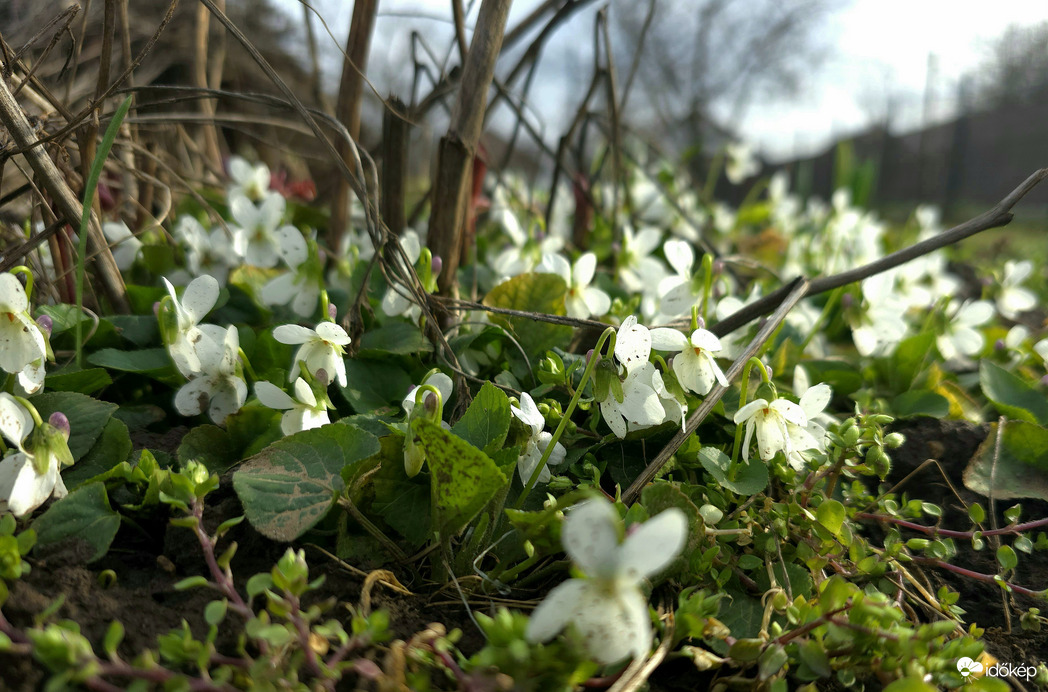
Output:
x,y
878,49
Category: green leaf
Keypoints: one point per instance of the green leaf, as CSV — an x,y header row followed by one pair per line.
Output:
x,y
83,518
1006,557
287,487
745,479
210,445
114,635
657,498
920,402
840,375
87,417
397,338
486,421
910,684
140,330
831,515
1021,470
463,478
149,361
909,359
542,293
1012,396
112,447
373,384
74,379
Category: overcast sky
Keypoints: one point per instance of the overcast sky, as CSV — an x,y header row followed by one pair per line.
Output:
x,y
879,48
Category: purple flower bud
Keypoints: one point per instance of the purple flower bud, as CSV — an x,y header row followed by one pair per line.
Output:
x,y
332,312
58,420
429,403
589,354
847,300
986,281
999,346
156,309
701,322
1044,380
46,324
718,267
437,264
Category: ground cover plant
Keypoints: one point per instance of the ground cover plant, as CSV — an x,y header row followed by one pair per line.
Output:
x,y
601,432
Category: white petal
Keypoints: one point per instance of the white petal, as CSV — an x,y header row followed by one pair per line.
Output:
x,y
801,381
747,411
790,412
694,372
967,340
654,544
597,301
306,300
293,247
590,537
200,297
645,241
304,393
815,399
409,243
193,397
706,340
771,436
21,341
585,267
12,295
279,290
665,339
609,410
293,334
555,611
633,343
975,313
613,625
15,422
27,489
680,256
273,396
333,333
555,264
528,461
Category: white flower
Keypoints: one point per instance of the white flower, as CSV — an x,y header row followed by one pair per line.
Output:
x,y
22,487
255,235
582,299
218,386
537,442
960,338
197,300
1013,298
741,163
679,291
883,325
301,285
813,401
22,343
304,412
638,271
607,607
695,367
436,378
321,349
247,180
207,252
641,406
123,243
769,419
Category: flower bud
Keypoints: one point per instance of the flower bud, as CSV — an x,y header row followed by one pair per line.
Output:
x,y
847,301
894,440
46,324
999,346
332,312
437,265
59,421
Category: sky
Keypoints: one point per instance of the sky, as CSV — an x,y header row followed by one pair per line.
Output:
x,y
877,49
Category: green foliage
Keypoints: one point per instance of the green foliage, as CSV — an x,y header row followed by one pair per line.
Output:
x,y
532,293
1021,468
83,521
289,486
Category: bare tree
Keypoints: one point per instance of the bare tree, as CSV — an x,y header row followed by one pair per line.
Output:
x,y
704,62
1015,70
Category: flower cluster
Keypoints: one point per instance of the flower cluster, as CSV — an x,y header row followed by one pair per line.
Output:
x,y
207,355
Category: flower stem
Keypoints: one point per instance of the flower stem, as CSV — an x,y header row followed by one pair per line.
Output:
x,y
609,333
743,386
